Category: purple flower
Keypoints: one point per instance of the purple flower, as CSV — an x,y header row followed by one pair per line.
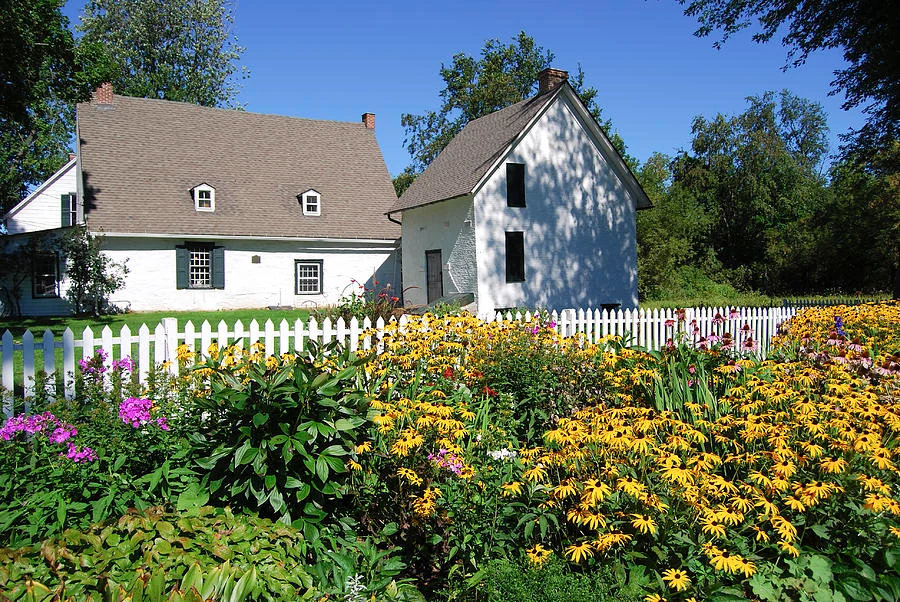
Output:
x,y
79,455
62,433
125,364
135,411
839,326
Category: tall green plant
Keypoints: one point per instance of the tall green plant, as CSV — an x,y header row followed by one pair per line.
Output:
x,y
92,276
279,432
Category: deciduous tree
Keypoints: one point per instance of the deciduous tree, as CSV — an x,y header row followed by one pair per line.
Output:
x,y
865,31
180,50
92,276
40,80
474,87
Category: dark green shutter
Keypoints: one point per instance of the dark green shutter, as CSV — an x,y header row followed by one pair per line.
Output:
x,y
181,267
218,267
66,210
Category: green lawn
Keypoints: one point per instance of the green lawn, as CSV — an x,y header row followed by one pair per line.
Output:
x,y
134,320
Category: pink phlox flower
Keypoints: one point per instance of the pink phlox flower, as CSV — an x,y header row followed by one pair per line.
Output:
x,y
79,455
135,411
62,433
126,364
551,324
162,423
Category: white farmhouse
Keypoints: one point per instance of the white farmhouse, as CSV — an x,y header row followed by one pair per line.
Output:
x,y
530,206
217,209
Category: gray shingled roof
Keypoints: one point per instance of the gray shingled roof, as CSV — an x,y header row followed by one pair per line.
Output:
x,y
459,167
140,158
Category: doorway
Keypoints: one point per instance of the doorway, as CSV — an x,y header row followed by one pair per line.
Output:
x,y
434,275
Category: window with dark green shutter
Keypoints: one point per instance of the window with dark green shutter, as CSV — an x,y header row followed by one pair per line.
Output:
x,y
69,208
199,265
515,184
515,257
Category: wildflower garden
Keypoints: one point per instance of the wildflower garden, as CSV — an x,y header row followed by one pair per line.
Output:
x,y
470,461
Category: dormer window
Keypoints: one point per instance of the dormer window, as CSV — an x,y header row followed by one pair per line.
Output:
x,y
311,201
204,197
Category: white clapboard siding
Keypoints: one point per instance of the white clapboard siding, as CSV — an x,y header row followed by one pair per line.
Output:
x,y
149,349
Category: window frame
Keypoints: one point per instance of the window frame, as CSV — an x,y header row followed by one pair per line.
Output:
x,y
515,251
193,248
197,190
515,185
69,209
183,265
304,198
55,275
320,265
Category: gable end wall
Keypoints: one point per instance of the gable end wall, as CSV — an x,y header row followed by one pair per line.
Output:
x,y
578,223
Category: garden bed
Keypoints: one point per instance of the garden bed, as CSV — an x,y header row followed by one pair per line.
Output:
x,y
472,461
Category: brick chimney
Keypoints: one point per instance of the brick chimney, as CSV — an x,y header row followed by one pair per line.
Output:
x,y
369,120
103,95
550,79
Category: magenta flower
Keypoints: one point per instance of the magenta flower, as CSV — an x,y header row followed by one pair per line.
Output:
x,y
79,455
135,411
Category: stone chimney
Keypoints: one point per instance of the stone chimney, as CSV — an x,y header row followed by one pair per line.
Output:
x,y
103,95
550,79
369,120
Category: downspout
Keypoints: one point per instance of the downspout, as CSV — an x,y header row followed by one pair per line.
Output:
x,y
393,220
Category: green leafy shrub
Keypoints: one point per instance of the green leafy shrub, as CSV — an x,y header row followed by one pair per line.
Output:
x,y
162,556
506,581
279,431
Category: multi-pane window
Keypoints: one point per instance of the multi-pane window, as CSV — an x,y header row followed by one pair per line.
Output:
x,y
515,257
204,197
199,267
45,275
69,209
308,276
311,202
515,184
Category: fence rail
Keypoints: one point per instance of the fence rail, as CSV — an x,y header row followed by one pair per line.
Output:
x,y
650,329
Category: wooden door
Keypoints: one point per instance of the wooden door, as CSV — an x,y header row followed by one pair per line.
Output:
x,y
434,275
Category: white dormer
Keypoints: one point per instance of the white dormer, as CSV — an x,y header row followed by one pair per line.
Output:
x,y
311,201
204,197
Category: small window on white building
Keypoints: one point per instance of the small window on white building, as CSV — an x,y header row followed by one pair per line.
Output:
x,y
311,201
308,276
69,209
204,197
45,276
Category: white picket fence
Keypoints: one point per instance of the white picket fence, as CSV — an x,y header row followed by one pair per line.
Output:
x,y
650,329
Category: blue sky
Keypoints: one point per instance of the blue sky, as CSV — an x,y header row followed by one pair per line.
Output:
x,y
336,60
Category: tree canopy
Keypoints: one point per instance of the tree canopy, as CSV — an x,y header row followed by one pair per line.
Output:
x,y
40,80
739,205
473,87
180,50
865,31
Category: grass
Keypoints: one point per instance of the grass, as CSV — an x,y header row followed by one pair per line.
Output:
x,y
758,300
57,324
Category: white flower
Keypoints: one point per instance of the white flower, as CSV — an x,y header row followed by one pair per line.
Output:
x,y
502,454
